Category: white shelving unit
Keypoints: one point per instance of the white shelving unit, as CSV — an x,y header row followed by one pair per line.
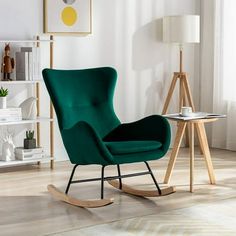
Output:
x,y
39,120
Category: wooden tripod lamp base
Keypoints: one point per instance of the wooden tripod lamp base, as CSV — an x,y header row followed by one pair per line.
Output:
x,y
185,96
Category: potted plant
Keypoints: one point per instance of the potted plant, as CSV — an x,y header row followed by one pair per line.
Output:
x,y
29,141
3,98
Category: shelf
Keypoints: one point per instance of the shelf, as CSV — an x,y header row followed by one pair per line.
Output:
x,y
25,162
38,120
21,82
26,41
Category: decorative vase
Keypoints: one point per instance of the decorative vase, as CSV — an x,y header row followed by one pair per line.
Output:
x,y
29,109
29,143
8,148
3,102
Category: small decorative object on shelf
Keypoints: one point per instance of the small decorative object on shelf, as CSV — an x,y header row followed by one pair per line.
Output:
x,y
3,98
29,141
8,64
8,149
29,109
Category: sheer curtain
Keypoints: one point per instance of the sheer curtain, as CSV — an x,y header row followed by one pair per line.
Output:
x,y
224,74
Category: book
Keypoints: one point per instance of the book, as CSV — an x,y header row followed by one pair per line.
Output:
x,y
10,114
10,119
29,154
10,110
34,59
21,151
30,65
26,49
22,66
29,158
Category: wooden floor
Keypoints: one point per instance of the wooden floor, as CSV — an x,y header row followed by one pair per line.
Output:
x,y
27,209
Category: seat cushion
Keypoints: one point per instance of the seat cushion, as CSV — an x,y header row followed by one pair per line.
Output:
x,y
128,147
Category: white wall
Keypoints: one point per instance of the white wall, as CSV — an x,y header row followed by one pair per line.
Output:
x,y
126,35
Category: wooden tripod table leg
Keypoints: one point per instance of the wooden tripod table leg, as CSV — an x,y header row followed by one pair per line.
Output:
x,y
206,152
175,150
191,149
199,139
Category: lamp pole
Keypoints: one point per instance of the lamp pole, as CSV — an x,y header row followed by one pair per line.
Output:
x,y
180,58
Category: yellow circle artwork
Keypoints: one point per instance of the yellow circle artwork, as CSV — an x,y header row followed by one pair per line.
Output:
x,y
69,16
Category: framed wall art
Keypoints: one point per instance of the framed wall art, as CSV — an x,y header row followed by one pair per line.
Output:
x,y
67,16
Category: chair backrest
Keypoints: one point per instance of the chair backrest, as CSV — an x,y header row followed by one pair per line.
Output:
x,y
83,95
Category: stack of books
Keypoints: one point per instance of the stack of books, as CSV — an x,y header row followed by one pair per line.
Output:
x,y
29,154
10,114
27,63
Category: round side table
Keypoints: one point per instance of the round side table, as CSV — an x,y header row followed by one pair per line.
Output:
x,y
199,125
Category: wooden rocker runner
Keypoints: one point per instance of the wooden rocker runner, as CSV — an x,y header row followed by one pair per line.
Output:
x,y
56,193
142,193
92,133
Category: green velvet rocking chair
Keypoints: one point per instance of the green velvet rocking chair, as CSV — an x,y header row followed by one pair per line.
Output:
x,y
92,133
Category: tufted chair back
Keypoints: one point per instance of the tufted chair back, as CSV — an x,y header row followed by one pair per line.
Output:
x,y
83,95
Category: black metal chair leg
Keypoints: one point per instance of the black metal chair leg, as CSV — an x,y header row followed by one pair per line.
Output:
x,y
154,180
119,174
71,177
103,178
102,182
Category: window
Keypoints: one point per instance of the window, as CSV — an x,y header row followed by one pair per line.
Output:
x,y
228,52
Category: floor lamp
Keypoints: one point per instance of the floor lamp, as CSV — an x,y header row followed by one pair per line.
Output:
x,y
180,30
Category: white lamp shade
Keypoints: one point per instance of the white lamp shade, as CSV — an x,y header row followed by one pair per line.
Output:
x,y
181,29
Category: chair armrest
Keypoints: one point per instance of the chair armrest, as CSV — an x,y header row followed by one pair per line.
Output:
x,y
84,146
153,127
